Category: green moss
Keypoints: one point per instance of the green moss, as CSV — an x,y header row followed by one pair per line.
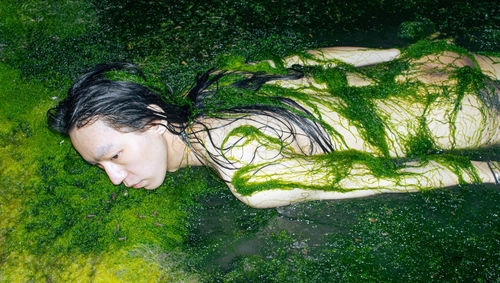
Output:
x,y
237,63
416,29
48,196
56,206
424,236
61,18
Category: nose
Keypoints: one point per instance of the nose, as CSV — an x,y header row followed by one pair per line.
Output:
x,y
115,173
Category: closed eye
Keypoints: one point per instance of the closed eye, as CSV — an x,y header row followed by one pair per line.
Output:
x,y
116,156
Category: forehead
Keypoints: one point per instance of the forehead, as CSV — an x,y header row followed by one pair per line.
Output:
x,y
95,139
93,130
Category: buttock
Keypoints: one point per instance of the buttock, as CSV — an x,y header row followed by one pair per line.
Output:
x,y
470,124
436,68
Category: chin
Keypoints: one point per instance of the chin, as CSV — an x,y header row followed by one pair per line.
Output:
x,y
154,184
152,187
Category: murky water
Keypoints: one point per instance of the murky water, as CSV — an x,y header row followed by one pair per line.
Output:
x,y
63,221
391,230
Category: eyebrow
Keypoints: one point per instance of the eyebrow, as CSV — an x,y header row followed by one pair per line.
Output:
x,y
102,151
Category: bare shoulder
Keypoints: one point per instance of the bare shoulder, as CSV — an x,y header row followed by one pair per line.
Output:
x,y
232,141
217,133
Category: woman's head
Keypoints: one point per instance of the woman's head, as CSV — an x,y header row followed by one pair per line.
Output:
x,y
122,105
121,126
136,159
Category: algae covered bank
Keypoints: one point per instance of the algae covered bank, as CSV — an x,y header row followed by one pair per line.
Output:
x,y
61,220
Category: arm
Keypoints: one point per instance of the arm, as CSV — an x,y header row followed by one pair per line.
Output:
x,y
303,179
357,56
262,172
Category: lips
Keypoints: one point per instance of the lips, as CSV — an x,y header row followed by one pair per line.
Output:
x,y
138,185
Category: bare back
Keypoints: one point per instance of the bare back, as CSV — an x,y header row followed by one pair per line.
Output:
x,y
430,106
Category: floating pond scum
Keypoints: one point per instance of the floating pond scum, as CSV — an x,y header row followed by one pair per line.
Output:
x,y
62,220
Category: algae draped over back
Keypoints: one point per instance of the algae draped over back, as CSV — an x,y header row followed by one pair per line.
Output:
x,y
51,202
394,115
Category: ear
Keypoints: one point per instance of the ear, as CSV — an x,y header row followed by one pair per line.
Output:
x,y
156,108
160,126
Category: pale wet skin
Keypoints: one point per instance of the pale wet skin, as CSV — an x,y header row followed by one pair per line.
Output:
x,y
452,121
138,159
477,124
268,162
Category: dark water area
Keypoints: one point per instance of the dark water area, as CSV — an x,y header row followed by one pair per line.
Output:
x,y
433,235
186,37
450,234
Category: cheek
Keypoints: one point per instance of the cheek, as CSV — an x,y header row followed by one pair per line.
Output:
x,y
154,164
154,155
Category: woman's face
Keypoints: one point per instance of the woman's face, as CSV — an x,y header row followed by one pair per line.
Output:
x,y
136,159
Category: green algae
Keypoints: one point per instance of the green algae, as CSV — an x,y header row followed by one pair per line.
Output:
x,y
420,144
424,236
48,232
60,210
426,47
359,107
333,167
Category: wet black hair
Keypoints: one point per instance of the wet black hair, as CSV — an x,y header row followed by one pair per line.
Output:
x,y
123,105
126,106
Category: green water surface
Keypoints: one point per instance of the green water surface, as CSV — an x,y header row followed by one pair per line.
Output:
x,y
62,220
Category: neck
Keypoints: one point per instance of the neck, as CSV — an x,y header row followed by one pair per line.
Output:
x,y
180,154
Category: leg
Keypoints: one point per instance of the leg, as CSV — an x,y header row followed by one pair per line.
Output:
x,y
490,66
357,56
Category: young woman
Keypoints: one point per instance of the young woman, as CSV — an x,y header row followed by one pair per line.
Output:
x,y
326,124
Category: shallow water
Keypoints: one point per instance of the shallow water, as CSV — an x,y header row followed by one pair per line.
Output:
x,y
63,221
426,235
